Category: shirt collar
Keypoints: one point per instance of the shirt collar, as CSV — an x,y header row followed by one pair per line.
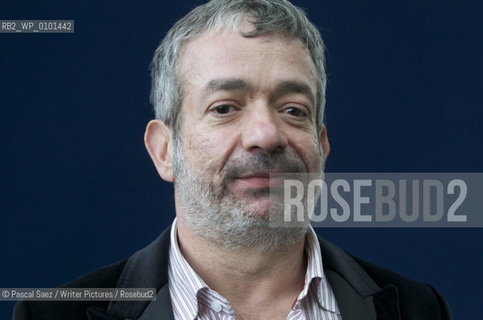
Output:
x,y
183,277
196,293
315,279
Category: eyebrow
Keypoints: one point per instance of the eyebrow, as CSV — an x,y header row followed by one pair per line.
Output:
x,y
286,87
283,88
227,85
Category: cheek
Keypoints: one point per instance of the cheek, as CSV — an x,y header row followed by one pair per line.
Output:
x,y
205,151
309,150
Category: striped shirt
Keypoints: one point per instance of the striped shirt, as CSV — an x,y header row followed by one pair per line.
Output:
x,y
192,299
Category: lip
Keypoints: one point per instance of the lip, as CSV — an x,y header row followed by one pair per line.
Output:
x,y
261,179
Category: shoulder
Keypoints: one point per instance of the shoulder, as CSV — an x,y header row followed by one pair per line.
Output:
x,y
146,268
390,291
106,277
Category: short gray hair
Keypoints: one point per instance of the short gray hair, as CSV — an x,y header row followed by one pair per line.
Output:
x,y
267,16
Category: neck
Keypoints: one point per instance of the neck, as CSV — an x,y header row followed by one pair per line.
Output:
x,y
247,278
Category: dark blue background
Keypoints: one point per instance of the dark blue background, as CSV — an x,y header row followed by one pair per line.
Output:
x,y
78,190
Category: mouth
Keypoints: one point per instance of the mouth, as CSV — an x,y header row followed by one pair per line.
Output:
x,y
261,179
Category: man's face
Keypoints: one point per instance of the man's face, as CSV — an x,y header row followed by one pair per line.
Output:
x,y
248,110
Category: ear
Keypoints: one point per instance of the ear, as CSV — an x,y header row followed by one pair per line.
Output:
x,y
158,141
324,142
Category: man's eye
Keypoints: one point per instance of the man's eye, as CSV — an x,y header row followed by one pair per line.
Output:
x,y
296,112
223,109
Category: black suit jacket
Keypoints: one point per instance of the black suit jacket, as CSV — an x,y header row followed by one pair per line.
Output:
x,y
363,291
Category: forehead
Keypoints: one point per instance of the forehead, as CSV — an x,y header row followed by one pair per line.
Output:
x,y
228,53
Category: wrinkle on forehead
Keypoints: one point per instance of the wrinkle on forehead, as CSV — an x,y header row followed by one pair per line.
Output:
x,y
234,34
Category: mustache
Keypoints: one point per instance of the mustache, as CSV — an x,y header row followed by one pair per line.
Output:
x,y
260,162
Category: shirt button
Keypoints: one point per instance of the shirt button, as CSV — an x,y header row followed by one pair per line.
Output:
x,y
216,306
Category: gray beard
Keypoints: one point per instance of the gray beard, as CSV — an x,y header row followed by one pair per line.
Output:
x,y
213,213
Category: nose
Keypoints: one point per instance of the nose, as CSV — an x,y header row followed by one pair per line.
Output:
x,y
261,130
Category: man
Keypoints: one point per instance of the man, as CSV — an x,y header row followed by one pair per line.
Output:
x,y
239,93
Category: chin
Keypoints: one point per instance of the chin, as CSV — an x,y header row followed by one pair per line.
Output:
x,y
260,208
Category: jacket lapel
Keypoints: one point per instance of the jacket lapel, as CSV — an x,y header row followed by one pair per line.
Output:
x,y
147,268
160,308
96,313
351,305
357,295
386,302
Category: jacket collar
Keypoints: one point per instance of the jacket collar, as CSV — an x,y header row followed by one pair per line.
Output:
x,y
358,296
